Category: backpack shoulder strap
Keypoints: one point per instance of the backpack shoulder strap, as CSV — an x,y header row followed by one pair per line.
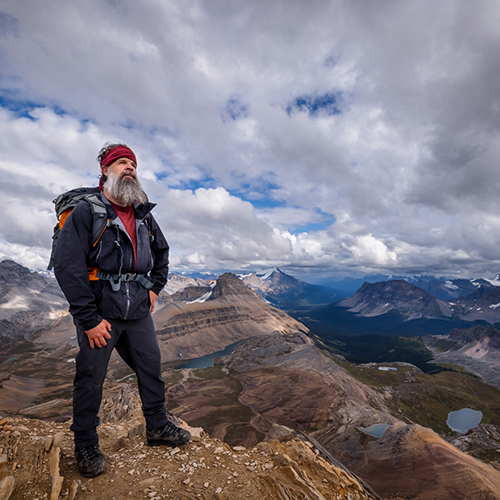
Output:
x,y
65,203
100,219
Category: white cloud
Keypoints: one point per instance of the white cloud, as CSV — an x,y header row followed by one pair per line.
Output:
x,y
403,153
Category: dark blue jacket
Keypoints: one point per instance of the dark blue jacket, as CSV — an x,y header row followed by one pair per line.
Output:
x,y
91,301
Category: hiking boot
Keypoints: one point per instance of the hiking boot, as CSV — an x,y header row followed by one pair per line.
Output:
x,y
91,461
168,434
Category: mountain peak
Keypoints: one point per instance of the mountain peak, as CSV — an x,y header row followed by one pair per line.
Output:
x,y
268,273
230,284
375,299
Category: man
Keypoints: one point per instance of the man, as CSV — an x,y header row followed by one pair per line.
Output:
x,y
112,287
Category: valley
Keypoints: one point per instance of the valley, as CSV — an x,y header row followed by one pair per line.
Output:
x,y
286,371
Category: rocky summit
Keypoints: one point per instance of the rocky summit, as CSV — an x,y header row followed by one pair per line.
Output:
x,y
37,462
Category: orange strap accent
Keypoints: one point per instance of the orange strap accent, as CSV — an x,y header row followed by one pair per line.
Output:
x,y
63,217
102,232
93,273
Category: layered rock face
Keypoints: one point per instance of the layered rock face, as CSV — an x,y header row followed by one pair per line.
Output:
x,y
199,320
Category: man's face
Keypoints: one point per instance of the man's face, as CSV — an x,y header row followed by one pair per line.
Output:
x,y
123,168
122,184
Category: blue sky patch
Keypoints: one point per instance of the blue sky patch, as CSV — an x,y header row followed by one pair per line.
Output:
x,y
160,176
20,107
324,222
258,191
236,109
328,104
206,182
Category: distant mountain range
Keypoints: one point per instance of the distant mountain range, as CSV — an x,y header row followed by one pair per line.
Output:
x,y
397,307
286,292
413,302
441,287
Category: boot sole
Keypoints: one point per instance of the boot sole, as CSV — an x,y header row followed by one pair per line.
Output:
x,y
165,443
94,474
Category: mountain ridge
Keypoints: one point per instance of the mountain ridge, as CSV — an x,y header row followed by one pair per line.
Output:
x,y
413,302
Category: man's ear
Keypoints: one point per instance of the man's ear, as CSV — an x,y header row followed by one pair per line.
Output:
x,y
104,170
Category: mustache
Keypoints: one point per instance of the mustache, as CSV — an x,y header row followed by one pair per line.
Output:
x,y
128,174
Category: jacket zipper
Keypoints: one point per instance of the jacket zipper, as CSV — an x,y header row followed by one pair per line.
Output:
x,y
127,288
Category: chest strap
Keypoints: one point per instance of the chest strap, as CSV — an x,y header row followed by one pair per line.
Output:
x,y
116,279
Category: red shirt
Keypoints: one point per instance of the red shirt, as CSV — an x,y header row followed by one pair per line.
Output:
x,y
127,216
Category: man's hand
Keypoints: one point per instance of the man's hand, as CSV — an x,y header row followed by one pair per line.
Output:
x,y
152,298
98,335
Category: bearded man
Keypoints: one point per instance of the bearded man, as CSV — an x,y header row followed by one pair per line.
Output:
x,y
112,286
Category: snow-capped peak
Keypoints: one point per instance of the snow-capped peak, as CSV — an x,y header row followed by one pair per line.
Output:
x,y
268,272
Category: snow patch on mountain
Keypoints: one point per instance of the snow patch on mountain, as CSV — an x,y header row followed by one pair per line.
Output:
x,y
495,281
202,299
17,302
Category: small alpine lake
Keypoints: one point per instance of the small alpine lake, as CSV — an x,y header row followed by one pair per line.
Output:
x,y
208,360
375,430
464,420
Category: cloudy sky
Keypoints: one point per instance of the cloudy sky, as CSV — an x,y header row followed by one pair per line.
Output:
x,y
329,138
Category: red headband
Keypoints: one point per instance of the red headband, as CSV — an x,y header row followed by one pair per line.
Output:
x,y
115,153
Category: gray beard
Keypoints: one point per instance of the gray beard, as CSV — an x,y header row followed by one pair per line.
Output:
x,y
125,190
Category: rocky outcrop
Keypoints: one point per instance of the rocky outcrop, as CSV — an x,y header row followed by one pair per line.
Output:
x,y
36,461
229,284
483,437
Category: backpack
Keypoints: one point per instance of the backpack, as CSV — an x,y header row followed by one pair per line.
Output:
x,y
65,203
